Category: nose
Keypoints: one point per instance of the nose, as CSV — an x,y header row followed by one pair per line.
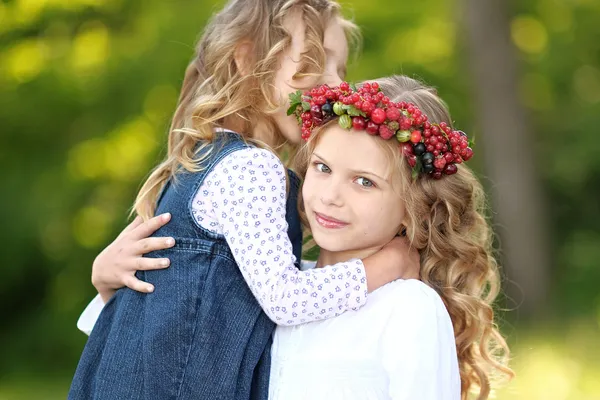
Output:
x,y
331,78
331,195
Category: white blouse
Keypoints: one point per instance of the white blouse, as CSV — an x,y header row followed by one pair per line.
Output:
x,y
400,345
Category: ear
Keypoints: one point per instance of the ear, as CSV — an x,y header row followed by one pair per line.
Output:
x,y
242,56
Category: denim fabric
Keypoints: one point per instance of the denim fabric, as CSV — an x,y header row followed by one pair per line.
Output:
x,y
201,334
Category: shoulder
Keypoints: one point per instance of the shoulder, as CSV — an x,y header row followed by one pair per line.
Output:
x,y
250,159
416,303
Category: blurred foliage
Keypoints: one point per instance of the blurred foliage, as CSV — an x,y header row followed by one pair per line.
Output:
x,y
87,88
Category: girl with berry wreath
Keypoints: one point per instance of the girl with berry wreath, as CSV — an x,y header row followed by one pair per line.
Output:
x,y
234,237
384,160
432,339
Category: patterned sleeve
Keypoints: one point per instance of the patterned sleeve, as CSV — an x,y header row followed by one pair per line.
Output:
x,y
248,194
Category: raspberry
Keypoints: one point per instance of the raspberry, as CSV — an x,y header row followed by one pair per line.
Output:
x,y
385,132
439,163
345,86
392,113
449,157
405,123
393,125
368,106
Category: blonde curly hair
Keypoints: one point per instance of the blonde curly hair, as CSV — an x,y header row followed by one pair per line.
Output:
x,y
446,222
214,89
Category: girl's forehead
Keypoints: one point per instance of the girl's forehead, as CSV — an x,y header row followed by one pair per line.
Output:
x,y
352,149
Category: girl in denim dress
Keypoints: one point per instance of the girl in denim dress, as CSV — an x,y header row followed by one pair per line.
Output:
x,y
233,240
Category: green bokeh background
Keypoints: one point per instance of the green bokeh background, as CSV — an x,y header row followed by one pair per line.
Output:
x,y
86,91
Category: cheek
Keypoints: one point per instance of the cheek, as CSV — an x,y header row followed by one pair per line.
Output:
x,y
381,219
308,190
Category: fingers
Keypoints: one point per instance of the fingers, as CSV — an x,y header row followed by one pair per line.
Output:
x,y
145,246
134,224
135,284
149,227
147,264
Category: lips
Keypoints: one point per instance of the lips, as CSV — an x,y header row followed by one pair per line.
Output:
x,y
329,222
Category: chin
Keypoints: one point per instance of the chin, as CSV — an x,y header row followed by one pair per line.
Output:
x,y
331,242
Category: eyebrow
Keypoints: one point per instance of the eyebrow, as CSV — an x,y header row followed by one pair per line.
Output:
x,y
357,172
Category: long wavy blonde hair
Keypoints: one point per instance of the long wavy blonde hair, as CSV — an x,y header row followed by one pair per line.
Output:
x,y
214,89
446,222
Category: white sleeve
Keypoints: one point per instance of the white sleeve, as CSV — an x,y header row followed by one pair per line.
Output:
x,y
249,203
90,315
418,346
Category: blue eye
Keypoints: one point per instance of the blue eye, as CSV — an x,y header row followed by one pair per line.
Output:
x,y
322,168
364,182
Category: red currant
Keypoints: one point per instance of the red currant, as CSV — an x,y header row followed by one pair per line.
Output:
x,y
372,128
359,123
451,169
407,148
467,154
378,116
412,160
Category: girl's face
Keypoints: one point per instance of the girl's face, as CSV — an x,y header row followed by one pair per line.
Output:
x,y
336,50
349,198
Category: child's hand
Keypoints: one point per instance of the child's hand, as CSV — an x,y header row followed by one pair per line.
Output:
x,y
396,260
116,265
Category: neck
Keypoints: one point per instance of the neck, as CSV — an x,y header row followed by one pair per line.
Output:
x,y
327,257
